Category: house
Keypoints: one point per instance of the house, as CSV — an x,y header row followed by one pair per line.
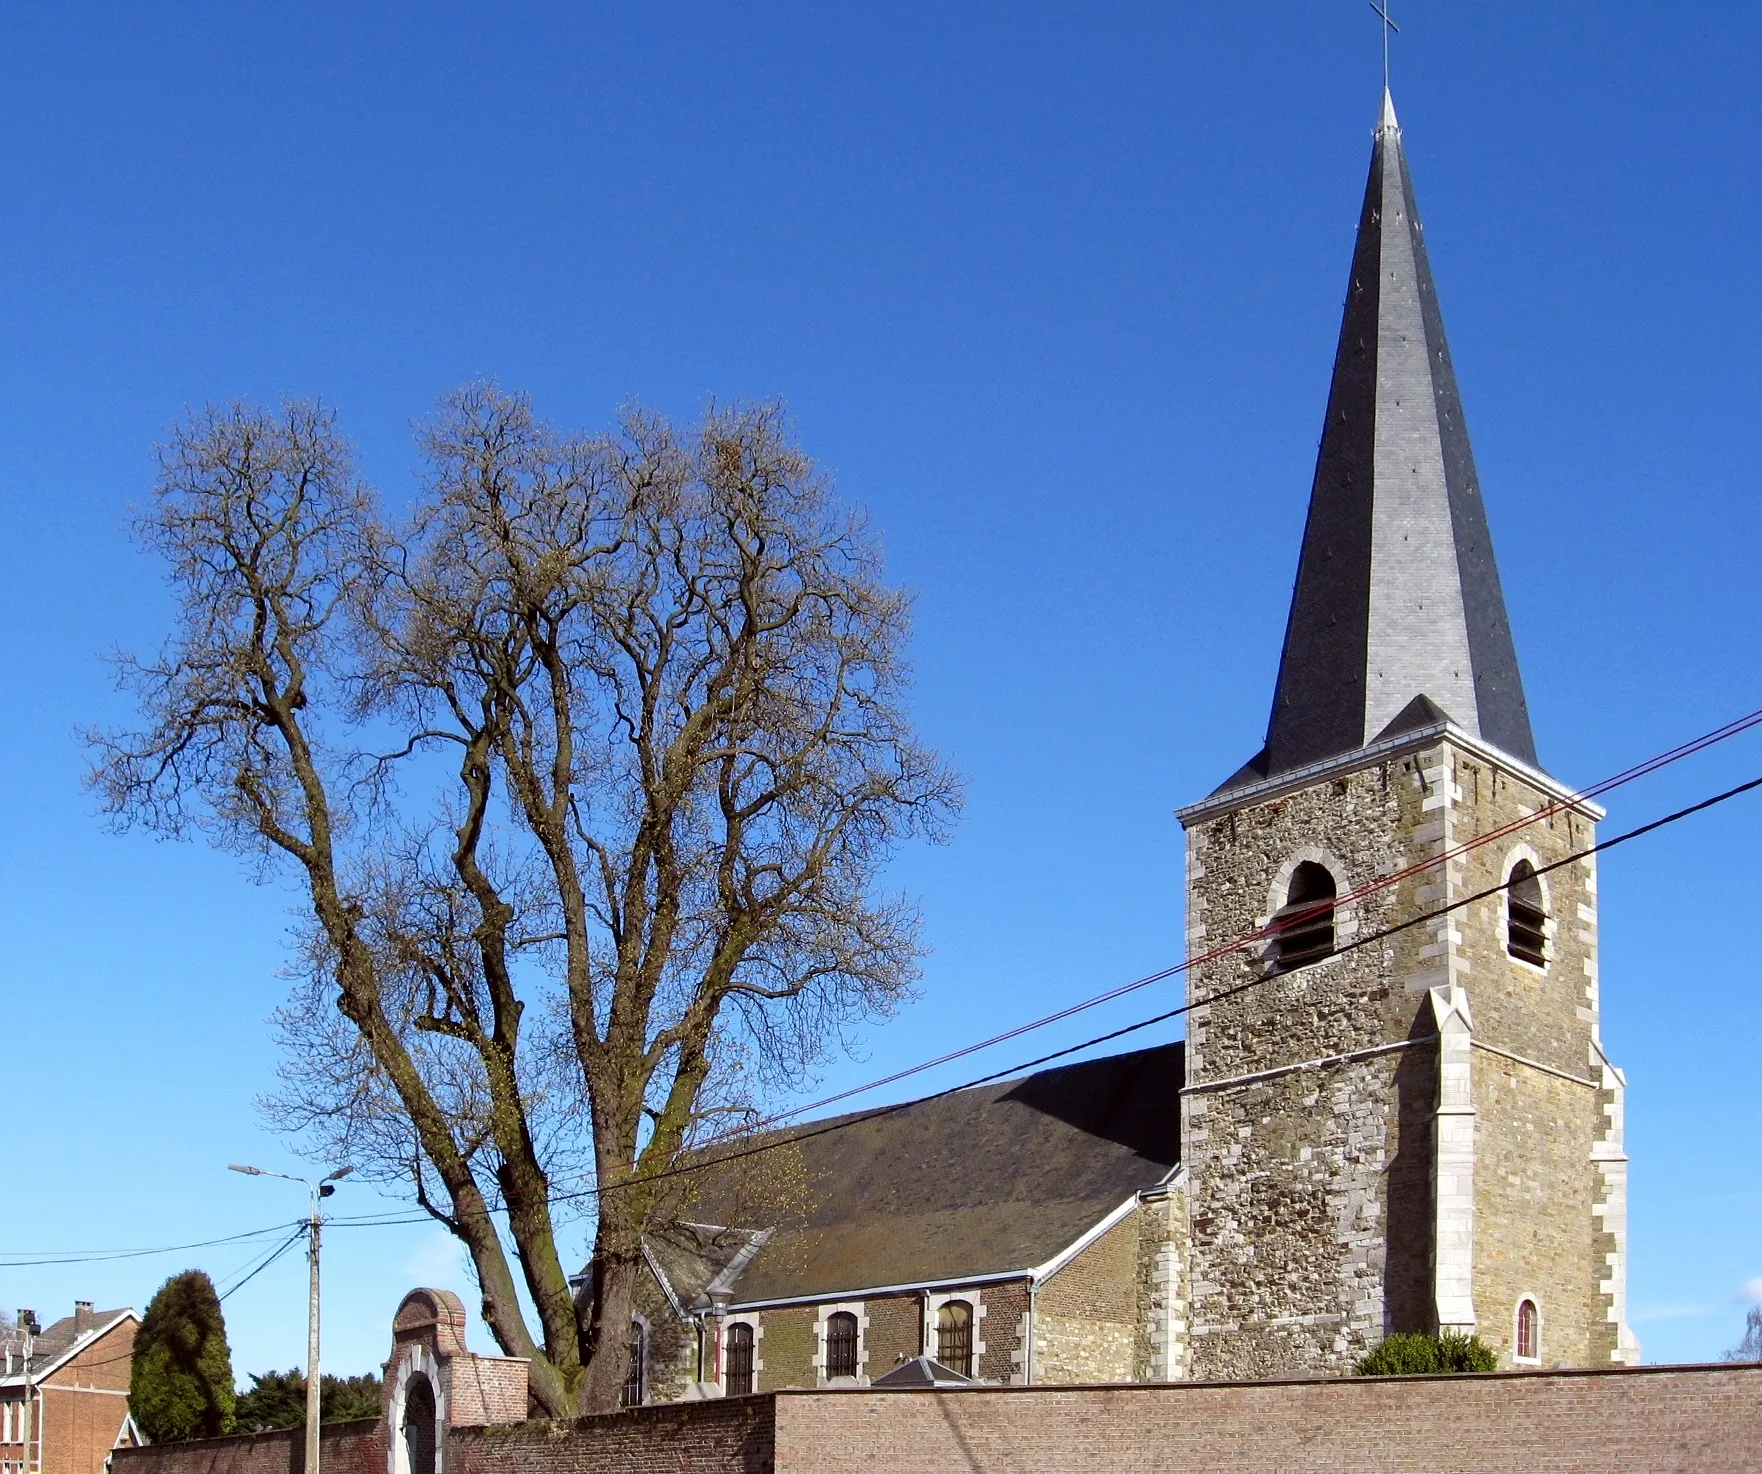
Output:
x,y
77,1378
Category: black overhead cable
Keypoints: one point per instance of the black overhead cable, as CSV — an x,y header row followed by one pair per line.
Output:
x,y
789,1138
1627,775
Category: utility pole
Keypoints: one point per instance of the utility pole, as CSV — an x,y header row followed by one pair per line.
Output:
x,y
314,1230
28,1331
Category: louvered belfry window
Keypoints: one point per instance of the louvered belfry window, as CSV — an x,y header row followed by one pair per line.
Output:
x,y
954,1337
1304,925
841,1345
1526,930
738,1371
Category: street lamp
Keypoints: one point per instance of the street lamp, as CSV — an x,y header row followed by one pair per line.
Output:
x,y
319,1191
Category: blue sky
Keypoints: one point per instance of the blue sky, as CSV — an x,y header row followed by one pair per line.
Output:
x,y
1053,292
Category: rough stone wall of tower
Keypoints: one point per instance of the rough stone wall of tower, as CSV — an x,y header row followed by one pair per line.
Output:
x,y
1308,1186
1312,1099
1548,1104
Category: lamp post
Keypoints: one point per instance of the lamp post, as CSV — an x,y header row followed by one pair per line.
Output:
x,y
319,1191
28,1331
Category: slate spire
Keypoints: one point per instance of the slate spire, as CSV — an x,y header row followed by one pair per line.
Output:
x,y
1397,616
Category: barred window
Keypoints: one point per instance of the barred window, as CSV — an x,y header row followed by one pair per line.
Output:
x,y
1303,928
954,1337
1526,923
738,1370
841,1345
631,1396
1529,1340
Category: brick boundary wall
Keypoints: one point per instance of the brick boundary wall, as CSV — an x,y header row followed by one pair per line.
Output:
x,y
1636,1420
356,1447
1640,1420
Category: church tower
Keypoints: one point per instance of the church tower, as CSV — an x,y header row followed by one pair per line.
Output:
x,y
1393,1129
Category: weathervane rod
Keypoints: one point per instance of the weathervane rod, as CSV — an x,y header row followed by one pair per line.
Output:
x,y
1382,11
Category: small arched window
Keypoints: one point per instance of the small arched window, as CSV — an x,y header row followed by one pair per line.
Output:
x,y
738,1373
1529,1331
1526,920
1304,925
631,1396
954,1337
841,1345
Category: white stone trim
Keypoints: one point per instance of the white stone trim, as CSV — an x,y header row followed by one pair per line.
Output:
x,y
933,1303
749,1318
1084,1240
1453,1162
824,1313
1550,922
417,1361
1376,753
1345,908
1516,1311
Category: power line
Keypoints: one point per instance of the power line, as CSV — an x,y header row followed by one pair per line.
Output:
x,y
1627,775
1381,883
782,1139
94,1256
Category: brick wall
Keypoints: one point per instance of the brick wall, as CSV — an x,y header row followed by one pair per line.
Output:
x,y
789,1347
1647,1420
730,1436
896,1331
344,1448
1640,1421
82,1404
1086,1315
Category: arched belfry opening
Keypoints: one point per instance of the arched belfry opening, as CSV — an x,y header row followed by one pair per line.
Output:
x,y
1304,926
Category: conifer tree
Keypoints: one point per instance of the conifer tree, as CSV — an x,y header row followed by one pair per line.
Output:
x,y
181,1383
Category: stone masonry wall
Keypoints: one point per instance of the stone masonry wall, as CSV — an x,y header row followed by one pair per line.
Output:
x,y
1313,1219
1541,1227
1086,1315
1293,1254
1160,1349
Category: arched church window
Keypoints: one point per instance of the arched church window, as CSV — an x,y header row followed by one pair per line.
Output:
x,y
841,1345
1304,925
631,1396
1526,935
1529,1331
419,1414
954,1337
738,1373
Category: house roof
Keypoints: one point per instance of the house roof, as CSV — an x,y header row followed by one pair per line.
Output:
x,y
59,1342
1397,598
983,1183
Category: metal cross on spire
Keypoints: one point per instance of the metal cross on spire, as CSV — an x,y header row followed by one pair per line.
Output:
x,y
1382,11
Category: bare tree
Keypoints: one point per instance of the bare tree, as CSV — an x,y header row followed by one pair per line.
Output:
x,y
587,770
1750,1347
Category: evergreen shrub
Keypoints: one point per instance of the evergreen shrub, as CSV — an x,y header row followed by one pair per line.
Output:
x,y
1412,1354
180,1385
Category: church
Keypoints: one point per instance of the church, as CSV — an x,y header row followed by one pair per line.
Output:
x,y
1392,1111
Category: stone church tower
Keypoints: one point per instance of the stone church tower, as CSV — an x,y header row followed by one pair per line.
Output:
x,y
1419,1131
